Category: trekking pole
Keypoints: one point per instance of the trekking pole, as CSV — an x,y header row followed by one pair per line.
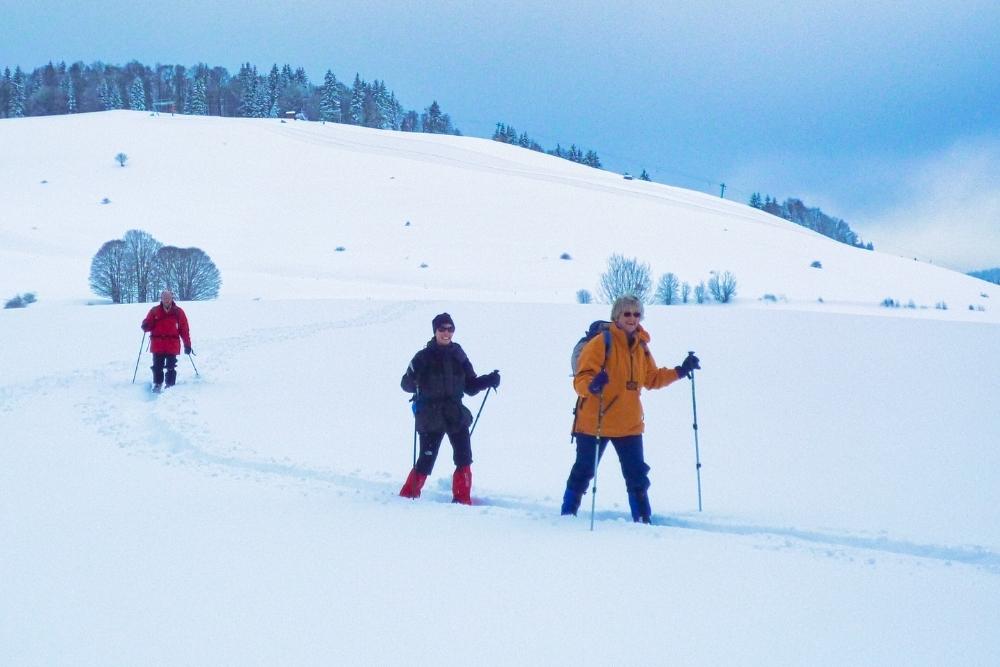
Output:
x,y
193,366
481,405
597,459
414,444
141,343
697,454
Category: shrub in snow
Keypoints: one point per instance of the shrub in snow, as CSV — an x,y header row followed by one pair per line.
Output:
x,y
911,304
187,272
340,248
941,305
667,289
565,255
583,296
817,264
423,265
769,297
21,300
121,159
723,288
889,302
625,276
701,292
105,201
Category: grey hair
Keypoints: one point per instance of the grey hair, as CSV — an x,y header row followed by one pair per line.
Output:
x,y
623,302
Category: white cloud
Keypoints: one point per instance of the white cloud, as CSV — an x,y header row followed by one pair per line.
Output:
x,y
948,208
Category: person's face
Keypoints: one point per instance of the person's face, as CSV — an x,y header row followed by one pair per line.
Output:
x,y
444,333
167,299
629,318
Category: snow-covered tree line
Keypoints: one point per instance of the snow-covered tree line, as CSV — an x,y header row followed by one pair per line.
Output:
x,y
204,90
813,218
508,135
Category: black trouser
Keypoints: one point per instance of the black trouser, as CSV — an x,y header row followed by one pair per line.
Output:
x,y
461,445
634,470
171,363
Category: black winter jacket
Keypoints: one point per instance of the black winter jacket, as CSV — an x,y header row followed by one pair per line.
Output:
x,y
439,375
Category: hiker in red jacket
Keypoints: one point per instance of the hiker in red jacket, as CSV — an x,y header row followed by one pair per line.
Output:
x,y
167,326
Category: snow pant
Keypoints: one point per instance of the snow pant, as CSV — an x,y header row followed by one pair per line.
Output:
x,y
161,360
461,445
634,469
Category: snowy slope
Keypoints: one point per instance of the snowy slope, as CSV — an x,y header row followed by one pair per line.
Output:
x,y
271,201
250,516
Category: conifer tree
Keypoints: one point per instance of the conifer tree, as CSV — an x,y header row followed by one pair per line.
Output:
x,y
197,100
70,94
329,106
357,113
137,95
15,105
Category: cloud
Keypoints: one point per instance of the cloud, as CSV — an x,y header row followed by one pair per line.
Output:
x,y
947,207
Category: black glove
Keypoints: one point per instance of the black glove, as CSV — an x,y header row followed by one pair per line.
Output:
x,y
144,326
597,384
689,364
188,350
493,379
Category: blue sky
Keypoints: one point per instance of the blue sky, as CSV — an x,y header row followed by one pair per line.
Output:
x,y
884,114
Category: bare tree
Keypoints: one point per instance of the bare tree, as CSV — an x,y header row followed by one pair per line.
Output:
x,y
723,287
140,252
666,289
109,275
625,276
188,272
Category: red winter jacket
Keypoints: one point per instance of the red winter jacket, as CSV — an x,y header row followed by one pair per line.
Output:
x,y
166,329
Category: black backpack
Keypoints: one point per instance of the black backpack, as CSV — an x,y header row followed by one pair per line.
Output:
x,y
596,327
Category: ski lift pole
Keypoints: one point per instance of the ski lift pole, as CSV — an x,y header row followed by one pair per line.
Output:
x,y
697,453
141,343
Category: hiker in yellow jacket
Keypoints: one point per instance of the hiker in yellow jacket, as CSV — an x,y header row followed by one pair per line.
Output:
x,y
608,407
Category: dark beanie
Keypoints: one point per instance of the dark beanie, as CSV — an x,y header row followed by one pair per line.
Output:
x,y
443,318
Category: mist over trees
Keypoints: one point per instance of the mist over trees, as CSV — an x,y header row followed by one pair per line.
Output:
x,y
795,211
211,91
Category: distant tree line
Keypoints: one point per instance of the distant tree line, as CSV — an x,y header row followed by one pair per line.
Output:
x,y
989,275
795,211
137,267
210,91
508,135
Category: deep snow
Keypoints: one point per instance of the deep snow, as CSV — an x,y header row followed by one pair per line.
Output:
x,y
250,516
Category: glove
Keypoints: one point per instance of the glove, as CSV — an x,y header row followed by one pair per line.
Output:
x,y
597,384
689,364
188,350
493,379
144,326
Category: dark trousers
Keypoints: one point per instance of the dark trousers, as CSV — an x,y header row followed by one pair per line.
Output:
x,y
634,470
161,360
430,443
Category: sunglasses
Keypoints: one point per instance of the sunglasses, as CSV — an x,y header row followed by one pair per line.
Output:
x,y
446,328
628,314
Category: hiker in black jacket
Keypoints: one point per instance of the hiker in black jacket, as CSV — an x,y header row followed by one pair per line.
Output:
x,y
439,375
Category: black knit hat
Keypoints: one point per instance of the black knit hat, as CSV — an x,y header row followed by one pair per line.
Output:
x,y
442,319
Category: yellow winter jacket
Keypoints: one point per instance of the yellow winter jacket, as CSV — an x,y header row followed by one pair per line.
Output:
x,y
629,370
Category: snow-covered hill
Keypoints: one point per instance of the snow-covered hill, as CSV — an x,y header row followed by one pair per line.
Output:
x,y
271,202
250,516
